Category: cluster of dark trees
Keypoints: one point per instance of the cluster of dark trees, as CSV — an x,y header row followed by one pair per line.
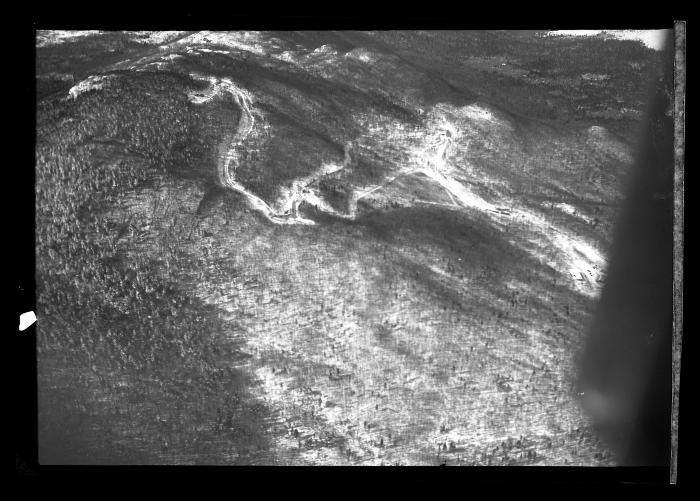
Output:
x,y
90,152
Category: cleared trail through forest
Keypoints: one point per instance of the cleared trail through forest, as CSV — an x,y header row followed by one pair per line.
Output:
x,y
229,150
574,257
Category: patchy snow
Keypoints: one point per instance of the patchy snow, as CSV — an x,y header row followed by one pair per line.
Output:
x,y
569,209
362,55
54,37
324,50
248,41
155,37
571,255
212,51
475,112
446,143
94,82
652,39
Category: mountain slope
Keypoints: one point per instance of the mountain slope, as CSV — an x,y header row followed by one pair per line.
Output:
x,y
320,248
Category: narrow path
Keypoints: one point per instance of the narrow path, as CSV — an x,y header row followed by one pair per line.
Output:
x,y
228,157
